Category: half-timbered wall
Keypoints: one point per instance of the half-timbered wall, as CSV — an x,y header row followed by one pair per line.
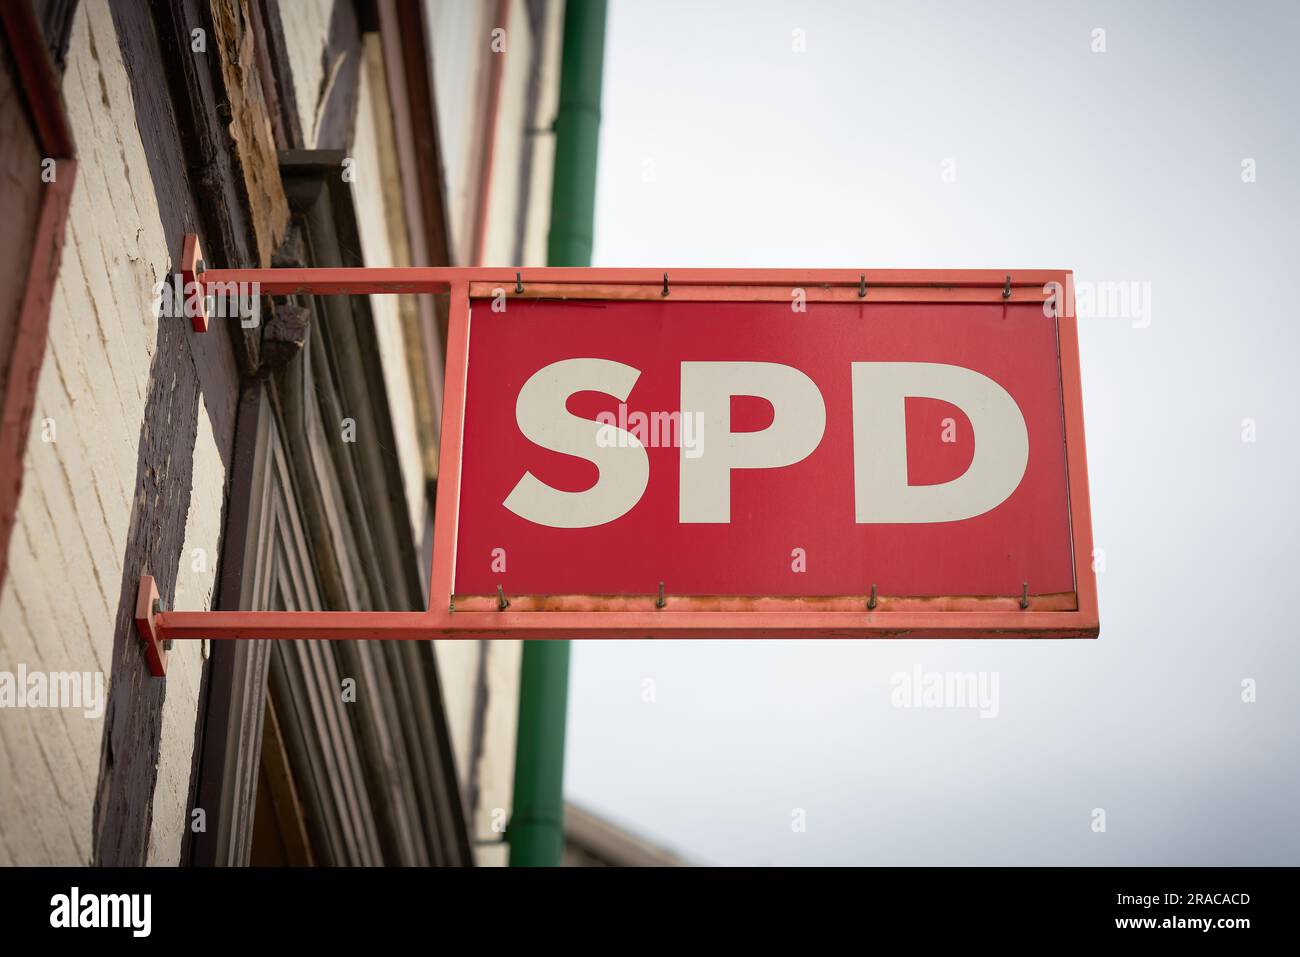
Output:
x,y
124,471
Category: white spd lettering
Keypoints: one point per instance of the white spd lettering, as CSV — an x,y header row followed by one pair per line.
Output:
x,y
880,390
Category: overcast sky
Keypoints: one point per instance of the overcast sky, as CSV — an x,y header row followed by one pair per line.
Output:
x,y
992,135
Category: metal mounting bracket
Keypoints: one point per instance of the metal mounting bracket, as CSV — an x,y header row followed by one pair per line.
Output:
x,y
192,268
146,612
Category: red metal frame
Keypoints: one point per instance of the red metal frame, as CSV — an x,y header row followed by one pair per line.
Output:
x,y
451,616
38,84
30,336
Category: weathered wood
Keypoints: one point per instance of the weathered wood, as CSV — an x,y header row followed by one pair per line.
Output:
x,y
133,714
284,334
250,125
201,107
183,366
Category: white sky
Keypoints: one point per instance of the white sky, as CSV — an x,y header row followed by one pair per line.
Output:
x,y
1124,166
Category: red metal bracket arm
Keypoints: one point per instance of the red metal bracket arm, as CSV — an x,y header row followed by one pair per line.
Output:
x,y
397,280
158,628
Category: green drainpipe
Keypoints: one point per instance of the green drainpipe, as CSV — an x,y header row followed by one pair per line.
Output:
x,y
536,829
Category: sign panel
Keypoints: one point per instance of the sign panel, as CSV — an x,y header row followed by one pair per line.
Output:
x,y
766,458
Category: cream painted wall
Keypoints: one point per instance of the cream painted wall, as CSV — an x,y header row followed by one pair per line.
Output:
x,y
59,602
539,201
306,25
516,132
381,222
459,35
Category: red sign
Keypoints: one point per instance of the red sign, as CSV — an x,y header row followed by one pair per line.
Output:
x,y
783,458
737,453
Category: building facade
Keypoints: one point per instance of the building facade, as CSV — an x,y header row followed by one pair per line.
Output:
x,y
285,459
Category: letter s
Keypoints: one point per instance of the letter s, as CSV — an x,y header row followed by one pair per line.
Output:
x,y
543,419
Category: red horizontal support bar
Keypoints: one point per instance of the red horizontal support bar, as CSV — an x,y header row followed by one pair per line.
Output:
x,y
365,280
336,282
330,625
422,626
158,628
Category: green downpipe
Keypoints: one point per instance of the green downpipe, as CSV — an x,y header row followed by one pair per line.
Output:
x,y
536,829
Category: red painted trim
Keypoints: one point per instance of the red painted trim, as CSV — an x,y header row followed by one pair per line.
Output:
x,y
28,353
447,504
39,85
487,147
38,80
1026,285
1085,576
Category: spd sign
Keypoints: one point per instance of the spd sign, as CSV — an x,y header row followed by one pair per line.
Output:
x,y
778,455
